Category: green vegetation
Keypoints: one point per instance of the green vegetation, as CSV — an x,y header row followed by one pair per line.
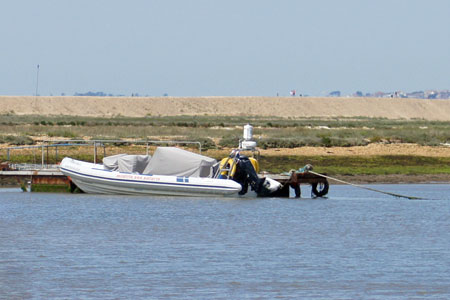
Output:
x,y
360,165
16,140
50,188
224,131
216,132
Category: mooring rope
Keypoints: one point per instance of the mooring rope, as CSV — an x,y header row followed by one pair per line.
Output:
x,y
365,187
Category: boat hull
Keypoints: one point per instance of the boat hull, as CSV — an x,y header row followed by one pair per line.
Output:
x,y
92,178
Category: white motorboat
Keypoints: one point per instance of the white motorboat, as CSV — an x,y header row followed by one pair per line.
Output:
x,y
184,174
172,171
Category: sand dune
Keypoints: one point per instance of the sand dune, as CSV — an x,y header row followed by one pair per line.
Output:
x,y
233,106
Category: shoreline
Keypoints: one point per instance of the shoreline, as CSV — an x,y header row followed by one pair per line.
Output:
x,y
393,179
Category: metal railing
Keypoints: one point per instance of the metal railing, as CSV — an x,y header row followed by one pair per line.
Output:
x,y
55,144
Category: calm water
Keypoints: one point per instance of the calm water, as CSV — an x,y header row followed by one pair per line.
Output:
x,y
354,245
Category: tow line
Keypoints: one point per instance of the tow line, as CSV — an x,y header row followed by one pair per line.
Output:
x,y
366,188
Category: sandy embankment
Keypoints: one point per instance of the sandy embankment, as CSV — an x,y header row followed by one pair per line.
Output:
x,y
233,106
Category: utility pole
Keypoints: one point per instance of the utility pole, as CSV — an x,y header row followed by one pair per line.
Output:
x,y
37,81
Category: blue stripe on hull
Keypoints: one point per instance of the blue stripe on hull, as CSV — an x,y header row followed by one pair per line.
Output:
x,y
138,186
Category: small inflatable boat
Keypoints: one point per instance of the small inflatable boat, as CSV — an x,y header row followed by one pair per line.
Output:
x,y
170,171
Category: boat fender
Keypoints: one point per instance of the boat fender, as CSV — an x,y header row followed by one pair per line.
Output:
x,y
255,163
319,189
226,163
271,185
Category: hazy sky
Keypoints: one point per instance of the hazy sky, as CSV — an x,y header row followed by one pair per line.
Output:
x,y
230,48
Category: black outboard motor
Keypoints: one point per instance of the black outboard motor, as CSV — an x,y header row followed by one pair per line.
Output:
x,y
246,175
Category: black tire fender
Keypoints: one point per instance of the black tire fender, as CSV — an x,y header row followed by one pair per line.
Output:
x,y
319,189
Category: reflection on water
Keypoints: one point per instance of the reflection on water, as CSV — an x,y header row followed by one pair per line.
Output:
x,y
354,245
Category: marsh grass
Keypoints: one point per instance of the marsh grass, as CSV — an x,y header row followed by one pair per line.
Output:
x,y
360,165
225,131
16,140
331,165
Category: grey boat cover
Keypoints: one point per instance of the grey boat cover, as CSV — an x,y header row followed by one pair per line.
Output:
x,y
125,163
178,162
111,162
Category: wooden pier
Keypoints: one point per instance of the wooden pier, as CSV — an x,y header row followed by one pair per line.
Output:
x,y
44,180
319,184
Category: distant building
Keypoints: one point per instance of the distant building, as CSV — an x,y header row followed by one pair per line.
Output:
x,y
334,94
399,94
92,94
445,94
431,94
380,94
416,95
